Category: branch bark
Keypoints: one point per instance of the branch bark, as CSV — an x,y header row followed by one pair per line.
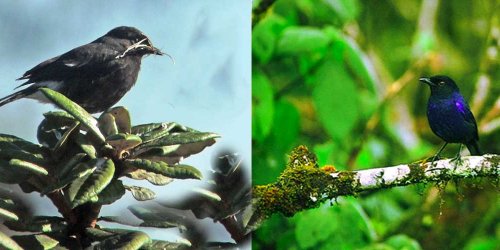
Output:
x,y
303,185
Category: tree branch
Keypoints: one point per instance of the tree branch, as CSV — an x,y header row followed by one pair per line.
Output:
x,y
303,185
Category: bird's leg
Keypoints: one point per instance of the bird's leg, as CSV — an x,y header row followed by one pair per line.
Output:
x,y
457,159
436,156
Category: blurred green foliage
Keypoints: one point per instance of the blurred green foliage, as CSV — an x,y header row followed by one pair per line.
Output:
x,y
340,76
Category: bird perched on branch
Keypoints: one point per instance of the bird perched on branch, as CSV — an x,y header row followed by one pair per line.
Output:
x,y
449,115
95,75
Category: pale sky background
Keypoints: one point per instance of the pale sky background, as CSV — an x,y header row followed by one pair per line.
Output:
x,y
208,87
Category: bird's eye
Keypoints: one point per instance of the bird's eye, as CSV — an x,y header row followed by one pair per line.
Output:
x,y
441,83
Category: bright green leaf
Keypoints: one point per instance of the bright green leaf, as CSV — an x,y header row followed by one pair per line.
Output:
x,y
262,106
78,112
296,39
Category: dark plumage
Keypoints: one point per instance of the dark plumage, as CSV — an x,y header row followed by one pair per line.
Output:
x,y
449,114
96,75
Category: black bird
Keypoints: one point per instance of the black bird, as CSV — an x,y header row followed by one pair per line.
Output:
x,y
95,75
449,115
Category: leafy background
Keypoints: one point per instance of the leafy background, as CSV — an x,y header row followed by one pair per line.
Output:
x,y
342,78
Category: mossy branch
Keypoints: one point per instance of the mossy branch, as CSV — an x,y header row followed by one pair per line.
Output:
x,y
303,185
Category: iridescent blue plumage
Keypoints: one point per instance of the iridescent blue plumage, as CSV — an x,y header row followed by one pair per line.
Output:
x,y
449,114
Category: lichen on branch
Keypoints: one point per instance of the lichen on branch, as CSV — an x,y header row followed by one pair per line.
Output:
x,y
304,185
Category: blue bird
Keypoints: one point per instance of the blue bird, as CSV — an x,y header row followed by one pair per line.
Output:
x,y
449,115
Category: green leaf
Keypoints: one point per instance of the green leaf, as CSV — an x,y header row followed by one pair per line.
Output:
x,y
158,167
79,172
44,224
7,243
347,10
121,142
163,224
78,112
262,106
401,241
98,234
13,142
141,193
113,192
153,131
265,36
181,138
296,39
28,166
122,119
8,210
336,99
35,241
87,188
164,245
286,126
153,178
157,218
11,175
107,124
131,240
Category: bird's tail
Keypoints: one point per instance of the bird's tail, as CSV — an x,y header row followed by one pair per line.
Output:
x,y
17,95
473,148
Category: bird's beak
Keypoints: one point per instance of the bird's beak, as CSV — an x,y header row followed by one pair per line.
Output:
x,y
426,80
151,48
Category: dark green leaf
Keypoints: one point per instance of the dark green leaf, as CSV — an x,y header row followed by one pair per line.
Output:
x,y
43,224
98,234
165,245
141,193
35,241
11,175
80,171
78,112
175,171
181,138
131,240
171,154
113,192
28,166
87,188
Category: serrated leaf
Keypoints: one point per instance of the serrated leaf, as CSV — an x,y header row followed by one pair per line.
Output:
x,y
35,241
28,166
141,193
131,240
107,124
153,178
7,243
87,188
113,192
175,171
122,119
76,111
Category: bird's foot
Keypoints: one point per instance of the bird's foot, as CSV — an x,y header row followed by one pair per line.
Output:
x,y
457,160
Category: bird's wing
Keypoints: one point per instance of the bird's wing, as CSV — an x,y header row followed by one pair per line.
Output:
x,y
468,117
87,61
